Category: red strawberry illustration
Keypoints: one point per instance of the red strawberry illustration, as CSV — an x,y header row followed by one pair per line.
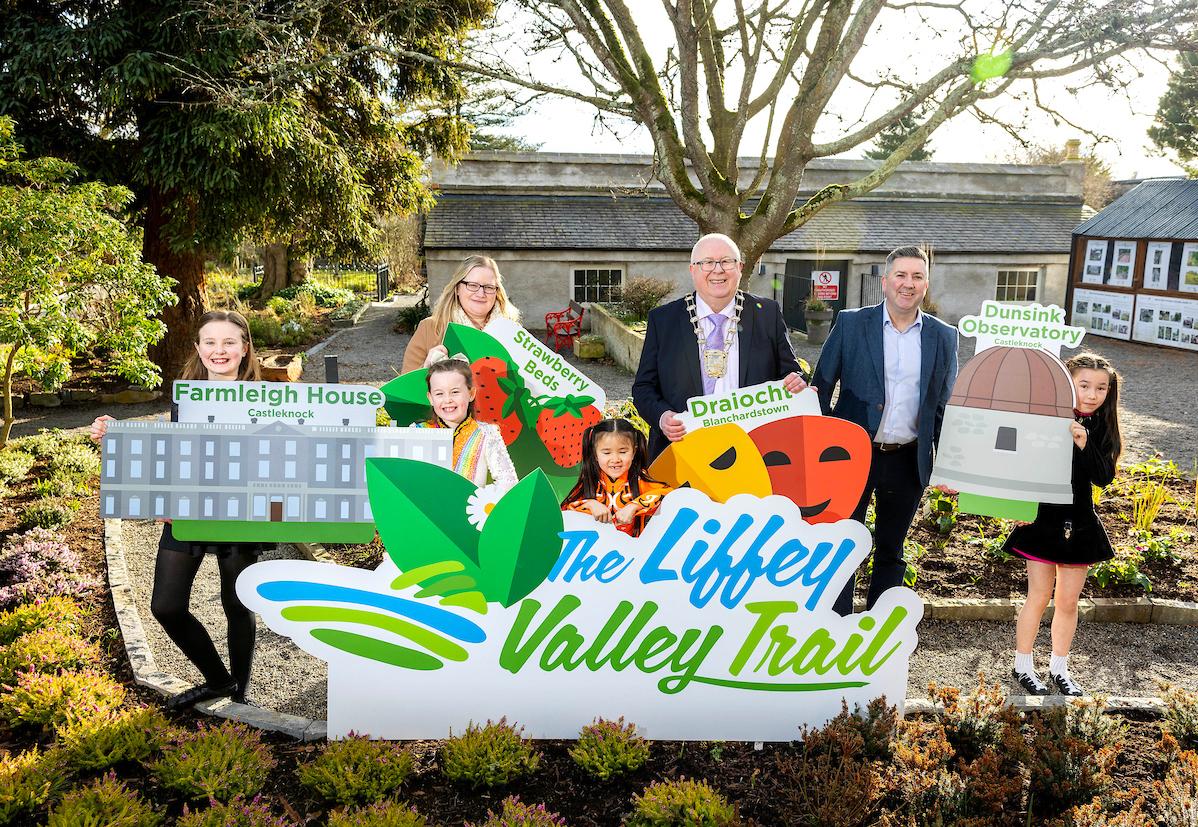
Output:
x,y
561,423
498,397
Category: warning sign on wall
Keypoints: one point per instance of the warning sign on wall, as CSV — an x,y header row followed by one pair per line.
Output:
x,y
826,284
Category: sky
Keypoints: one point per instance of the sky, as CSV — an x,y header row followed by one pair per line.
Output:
x,y
564,125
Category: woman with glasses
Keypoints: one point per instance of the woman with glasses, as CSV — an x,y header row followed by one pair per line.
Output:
x,y
472,296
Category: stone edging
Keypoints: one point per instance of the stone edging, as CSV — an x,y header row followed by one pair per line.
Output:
x,y
146,671
1092,609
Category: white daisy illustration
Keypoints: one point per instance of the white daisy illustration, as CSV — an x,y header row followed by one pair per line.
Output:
x,y
480,503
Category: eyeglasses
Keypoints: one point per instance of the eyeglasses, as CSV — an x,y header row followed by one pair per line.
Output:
x,y
709,264
474,287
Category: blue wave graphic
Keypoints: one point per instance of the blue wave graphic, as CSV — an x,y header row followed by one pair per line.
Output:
x,y
281,591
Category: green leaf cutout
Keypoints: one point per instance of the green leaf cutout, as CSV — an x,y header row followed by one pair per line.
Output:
x,y
474,343
420,510
406,398
520,540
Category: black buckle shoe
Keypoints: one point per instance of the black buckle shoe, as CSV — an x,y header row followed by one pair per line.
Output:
x,y
1031,684
1066,685
199,694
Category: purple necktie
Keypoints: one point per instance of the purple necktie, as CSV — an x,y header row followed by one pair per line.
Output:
x,y
715,341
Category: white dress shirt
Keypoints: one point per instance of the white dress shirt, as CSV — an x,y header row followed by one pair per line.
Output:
x,y
730,381
902,355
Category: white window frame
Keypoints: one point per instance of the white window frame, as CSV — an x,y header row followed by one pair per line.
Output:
x,y
1034,285
235,448
574,269
259,505
184,507
232,507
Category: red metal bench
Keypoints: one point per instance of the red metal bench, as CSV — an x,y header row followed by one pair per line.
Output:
x,y
564,326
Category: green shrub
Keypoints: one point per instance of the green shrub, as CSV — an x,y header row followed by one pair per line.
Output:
x,y
14,464
383,814
52,513
1123,569
488,756
1066,770
55,701
61,614
1181,714
641,294
606,749
1177,796
62,484
27,780
218,762
941,511
105,803
409,317
357,770
42,444
1086,718
976,723
47,651
514,813
682,802
237,813
77,458
104,741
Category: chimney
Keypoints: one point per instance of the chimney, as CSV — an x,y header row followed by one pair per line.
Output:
x,y
1073,149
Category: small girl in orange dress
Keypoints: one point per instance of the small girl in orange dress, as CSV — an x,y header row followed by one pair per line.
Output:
x,y
614,486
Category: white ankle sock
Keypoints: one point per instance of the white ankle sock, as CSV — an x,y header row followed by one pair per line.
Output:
x,y
1025,663
1059,664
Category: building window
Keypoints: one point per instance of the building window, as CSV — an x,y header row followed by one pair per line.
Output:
x,y
322,473
160,446
366,512
231,508
292,507
234,449
110,504
322,510
417,452
207,506
160,468
135,446
289,446
1005,440
345,451
135,506
1017,285
260,505
344,509
345,473
597,284
209,448
184,506
184,469
159,506
234,471
135,469
185,447
263,469
110,468
209,470
322,450
264,446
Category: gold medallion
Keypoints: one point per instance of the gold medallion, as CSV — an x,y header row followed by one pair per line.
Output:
x,y
715,362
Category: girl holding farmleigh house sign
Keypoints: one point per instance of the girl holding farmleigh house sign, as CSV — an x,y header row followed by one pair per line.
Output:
x,y
224,352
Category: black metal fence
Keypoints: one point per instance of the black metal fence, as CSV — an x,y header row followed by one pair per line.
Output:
x,y
363,279
871,287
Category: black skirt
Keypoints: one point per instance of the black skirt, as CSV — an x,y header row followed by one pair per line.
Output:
x,y
1062,536
200,548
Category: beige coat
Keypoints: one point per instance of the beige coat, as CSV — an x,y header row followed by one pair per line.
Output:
x,y
423,340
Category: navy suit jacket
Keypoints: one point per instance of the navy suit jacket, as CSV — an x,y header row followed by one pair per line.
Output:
x,y
853,357
669,371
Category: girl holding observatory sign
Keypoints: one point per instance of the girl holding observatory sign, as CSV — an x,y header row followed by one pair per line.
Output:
x,y
224,351
1065,540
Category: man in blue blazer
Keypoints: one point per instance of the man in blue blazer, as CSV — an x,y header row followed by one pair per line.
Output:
x,y
739,352
895,366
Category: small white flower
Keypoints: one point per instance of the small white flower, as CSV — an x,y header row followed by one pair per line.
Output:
x,y
480,503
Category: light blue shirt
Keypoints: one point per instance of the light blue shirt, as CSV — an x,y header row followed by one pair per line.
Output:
x,y
903,357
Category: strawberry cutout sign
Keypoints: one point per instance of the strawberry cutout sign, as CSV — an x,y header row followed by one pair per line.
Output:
x,y
515,377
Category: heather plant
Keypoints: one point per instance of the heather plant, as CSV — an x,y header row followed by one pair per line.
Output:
x,y
829,782
1181,714
44,443
106,802
1066,770
75,457
1086,718
1095,814
605,749
1177,795
976,722
919,781
46,651
219,762
515,813
61,614
382,814
671,803
48,513
62,485
58,700
488,756
14,464
357,770
875,726
237,813
27,780
37,564
126,735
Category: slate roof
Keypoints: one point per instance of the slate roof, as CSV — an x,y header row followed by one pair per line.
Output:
x,y
520,222
1166,208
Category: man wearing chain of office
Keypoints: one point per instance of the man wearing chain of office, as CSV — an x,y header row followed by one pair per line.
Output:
x,y
714,340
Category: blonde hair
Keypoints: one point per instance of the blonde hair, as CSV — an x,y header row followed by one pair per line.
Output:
x,y
442,313
249,369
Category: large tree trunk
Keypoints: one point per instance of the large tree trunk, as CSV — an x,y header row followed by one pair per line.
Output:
x,y
280,270
187,268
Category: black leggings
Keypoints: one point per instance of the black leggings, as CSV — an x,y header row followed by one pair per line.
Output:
x,y
174,574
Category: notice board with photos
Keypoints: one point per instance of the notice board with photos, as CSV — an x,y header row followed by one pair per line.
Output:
x,y
1136,289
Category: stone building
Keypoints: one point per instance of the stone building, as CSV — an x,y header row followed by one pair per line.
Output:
x,y
577,226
